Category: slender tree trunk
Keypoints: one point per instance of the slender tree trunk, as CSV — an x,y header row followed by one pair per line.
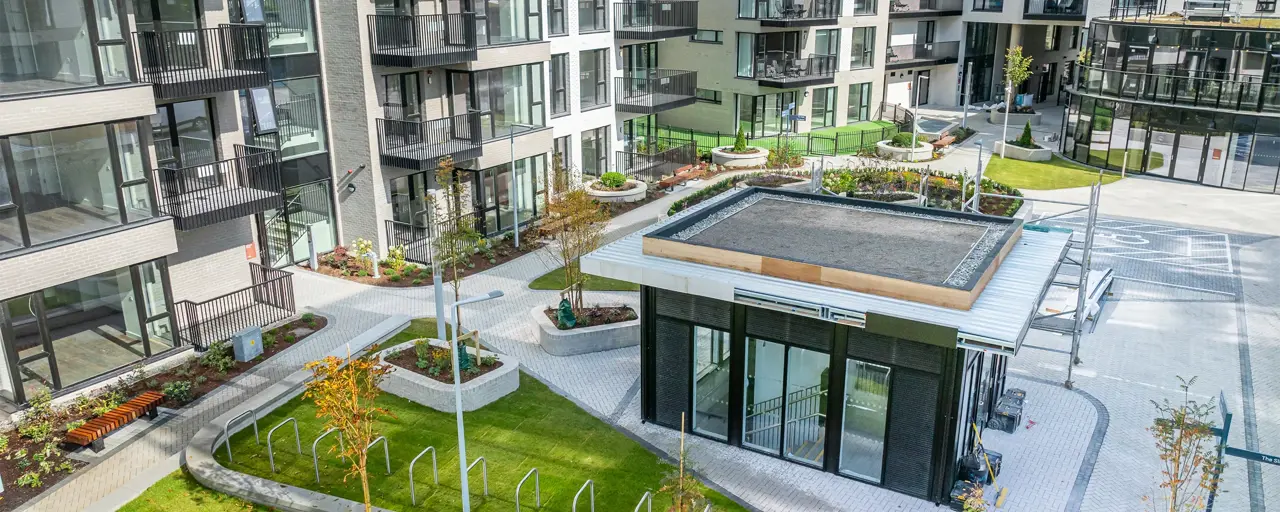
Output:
x,y
364,482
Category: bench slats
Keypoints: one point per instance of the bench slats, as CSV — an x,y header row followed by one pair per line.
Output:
x,y
98,427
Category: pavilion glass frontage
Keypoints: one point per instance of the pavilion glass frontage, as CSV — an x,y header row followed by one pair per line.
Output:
x,y
1126,113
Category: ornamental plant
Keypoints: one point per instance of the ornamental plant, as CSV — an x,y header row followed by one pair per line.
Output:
x,y
1017,69
1025,139
1184,437
740,142
344,391
613,179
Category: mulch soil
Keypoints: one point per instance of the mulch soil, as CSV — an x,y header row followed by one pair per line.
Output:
x,y
11,466
503,250
616,209
597,316
772,181
407,359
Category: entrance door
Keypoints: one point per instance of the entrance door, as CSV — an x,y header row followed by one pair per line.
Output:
x,y
284,230
1047,82
1189,154
922,96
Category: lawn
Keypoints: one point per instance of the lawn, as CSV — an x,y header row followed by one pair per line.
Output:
x,y
707,140
554,280
420,328
533,427
1115,159
180,492
1054,174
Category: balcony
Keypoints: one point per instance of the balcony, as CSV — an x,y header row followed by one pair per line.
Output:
x,y
652,21
1054,10
419,145
186,63
988,5
1227,95
782,71
656,90
798,13
925,8
422,41
919,55
658,159
206,194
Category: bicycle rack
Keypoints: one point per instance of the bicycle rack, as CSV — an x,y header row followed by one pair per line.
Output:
x,y
271,456
315,457
708,509
386,452
647,498
589,483
226,426
537,488
484,471
413,495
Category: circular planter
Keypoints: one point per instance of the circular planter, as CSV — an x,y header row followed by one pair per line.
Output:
x,y
923,151
997,117
722,156
631,195
1039,154
584,340
476,393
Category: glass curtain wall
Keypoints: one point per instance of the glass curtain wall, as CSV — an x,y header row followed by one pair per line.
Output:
x,y
509,100
50,45
866,412
711,382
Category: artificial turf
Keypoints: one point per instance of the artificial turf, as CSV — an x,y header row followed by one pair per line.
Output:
x,y
554,280
1054,174
180,492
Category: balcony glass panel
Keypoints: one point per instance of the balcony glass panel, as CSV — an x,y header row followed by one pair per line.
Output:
x,y
66,181
299,117
47,47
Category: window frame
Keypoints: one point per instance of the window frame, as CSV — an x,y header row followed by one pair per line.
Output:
x,y
717,97
601,136
559,91
868,53
555,11
828,111
600,91
719,37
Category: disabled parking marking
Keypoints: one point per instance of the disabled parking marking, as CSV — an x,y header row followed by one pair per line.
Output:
x,y
1159,244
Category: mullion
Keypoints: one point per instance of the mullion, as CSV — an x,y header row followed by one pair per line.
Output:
x,y
6,152
140,305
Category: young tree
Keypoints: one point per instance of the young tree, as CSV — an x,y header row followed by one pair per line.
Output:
x,y
455,236
1184,437
681,486
1017,69
577,221
344,391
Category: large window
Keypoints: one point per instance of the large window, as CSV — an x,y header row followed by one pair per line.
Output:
x,y
806,410
707,95
711,382
864,48
763,400
559,84
496,200
509,99
707,36
592,15
864,7
183,134
768,54
74,332
52,45
560,147
300,115
402,97
508,22
824,107
866,411
1052,37
289,25
762,115
556,18
593,77
595,152
859,103
72,181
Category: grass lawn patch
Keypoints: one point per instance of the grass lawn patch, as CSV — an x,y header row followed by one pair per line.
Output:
x,y
419,328
533,427
860,126
1054,174
554,281
1115,159
180,492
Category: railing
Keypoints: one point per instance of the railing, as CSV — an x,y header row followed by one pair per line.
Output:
x,y
182,63
655,19
924,6
938,53
1181,90
783,67
1137,8
1054,8
656,90
800,11
805,416
816,143
769,413
897,114
422,41
269,299
415,239
592,16
417,144
206,194
664,159
287,17
301,116
988,5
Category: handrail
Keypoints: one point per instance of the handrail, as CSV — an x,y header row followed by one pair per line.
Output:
x,y
592,484
315,458
816,414
770,427
647,498
386,452
435,470
537,488
225,426
271,457
484,471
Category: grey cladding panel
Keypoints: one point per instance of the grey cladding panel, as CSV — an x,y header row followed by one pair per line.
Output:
x,y
884,349
912,420
671,379
797,330
702,310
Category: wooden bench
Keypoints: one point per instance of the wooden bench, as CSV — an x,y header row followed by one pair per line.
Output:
x,y
944,142
681,177
91,433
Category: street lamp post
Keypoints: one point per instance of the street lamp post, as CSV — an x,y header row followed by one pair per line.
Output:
x,y
915,121
457,389
1008,109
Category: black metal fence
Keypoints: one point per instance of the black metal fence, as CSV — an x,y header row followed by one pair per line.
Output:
x,y
785,66
1054,7
415,239
795,11
181,63
898,115
423,40
287,17
910,6
655,20
945,51
205,194
656,90
268,300
658,159
299,116
414,143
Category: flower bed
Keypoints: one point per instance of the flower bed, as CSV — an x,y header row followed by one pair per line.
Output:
x,y
629,191
943,189
597,315
418,375
435,362
720,186
751,158
394,272
587,336
1035,153
772,180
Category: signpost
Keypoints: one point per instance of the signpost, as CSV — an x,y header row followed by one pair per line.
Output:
x,y
1223,450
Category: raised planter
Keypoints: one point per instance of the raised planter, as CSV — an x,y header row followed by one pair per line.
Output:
x,y
1039,154
631,195
914,200
722,156
476,393
1015,119
923,151
584,340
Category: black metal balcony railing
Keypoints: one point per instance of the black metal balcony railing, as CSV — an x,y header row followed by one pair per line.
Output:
x,y
202,195
923,8
1054,9
415,239
184,63
656,90
923,54
1244,96
419,145
422,41
1137,8
988,5
648,21
783,70
797,13
267,300
657,159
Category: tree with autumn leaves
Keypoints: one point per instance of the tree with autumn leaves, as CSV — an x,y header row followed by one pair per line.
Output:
x,y
577,222
344,392
1185,439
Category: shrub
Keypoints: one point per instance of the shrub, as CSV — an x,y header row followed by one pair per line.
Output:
x,y
740,142
417,282
903,140
1025,139
37,431
201,379
308,317
178,390
4,443
613,179
107,402
29,479
395,278
268,341
219,357
422,349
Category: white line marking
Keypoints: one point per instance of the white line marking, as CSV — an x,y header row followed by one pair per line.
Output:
x,y
1184,287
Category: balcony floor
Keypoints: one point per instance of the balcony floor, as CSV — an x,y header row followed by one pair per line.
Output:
x,y
657,102
424,155
58,222
421,58
181,83
207,206
653,32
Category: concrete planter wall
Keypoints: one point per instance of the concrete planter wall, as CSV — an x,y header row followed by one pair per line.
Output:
x,y
630,195
1040,154
1015,119
476,393
923,151
913,201
584,340
721,156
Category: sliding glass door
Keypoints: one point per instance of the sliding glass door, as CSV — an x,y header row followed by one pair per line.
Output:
x,y
796,416
866,411
711,382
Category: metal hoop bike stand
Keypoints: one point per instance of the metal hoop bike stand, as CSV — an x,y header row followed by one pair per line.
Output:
x,y
315,457
413,494
592,485
297,440
484,471
537,488
386,452
226,426
646,499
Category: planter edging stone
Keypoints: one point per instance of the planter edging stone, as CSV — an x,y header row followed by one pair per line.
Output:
x,y
476,393
584,340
